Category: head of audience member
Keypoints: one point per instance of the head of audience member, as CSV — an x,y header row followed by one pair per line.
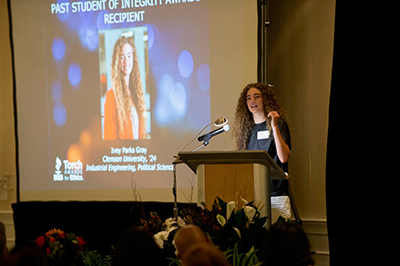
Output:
x,y
3,241
136,247
203,254
287,245
25,255
187,236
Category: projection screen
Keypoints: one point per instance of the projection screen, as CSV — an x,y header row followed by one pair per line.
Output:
x,y
108,91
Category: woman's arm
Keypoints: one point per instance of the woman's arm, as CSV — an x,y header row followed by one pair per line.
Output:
x,y
110,116
282,148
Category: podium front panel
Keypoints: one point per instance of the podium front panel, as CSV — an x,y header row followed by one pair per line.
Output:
x,y
232,181
227,181
225,173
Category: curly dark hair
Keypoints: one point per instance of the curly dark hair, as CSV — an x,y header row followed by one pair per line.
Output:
x,y
244,121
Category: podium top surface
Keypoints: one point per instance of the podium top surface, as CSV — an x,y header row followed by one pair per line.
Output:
x,y
194,159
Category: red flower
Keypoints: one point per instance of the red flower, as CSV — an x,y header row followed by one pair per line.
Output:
x,y
52,239
216,227
40,241
48,250
81,241
62,234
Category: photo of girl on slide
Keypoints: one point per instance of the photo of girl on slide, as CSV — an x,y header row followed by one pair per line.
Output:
x,y
124,107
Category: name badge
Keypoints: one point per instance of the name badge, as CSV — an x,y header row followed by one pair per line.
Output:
x,y
263,134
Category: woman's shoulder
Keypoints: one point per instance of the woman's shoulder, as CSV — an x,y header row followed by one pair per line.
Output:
x,y
282,123
110,100
110,94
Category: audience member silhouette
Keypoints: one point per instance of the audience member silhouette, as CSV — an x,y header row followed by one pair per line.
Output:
x,y
187,236
287,245
25,255
203,254
136,247
3,241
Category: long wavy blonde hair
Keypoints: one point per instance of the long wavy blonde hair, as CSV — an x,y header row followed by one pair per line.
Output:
x,y
243,124
124,102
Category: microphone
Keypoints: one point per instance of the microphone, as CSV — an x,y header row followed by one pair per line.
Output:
x,y
218,123
208,136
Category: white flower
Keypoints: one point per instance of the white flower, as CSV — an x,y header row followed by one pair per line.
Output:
x,y
159,242
229,209
160,237
172,228
181,222
244,201
171,223
238,232
221,219
250,212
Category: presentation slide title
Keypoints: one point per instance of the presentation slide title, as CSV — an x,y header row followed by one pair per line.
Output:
x,y
116,17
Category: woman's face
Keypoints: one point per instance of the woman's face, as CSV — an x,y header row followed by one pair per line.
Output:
x,y
254,101
126,59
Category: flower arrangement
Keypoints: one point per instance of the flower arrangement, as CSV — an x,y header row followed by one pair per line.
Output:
x,y
162,238
162,232
94,258
153,224
236,230
61,248
230,227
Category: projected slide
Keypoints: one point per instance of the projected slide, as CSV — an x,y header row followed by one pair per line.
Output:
x,y
125,85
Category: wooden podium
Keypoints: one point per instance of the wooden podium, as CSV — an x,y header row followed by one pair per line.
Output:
x,y
227,173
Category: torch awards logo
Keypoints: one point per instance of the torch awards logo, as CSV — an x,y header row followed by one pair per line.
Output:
x,y
57,173
73,171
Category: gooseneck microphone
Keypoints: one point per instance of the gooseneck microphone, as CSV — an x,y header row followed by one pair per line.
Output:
x,y
220,122
208,136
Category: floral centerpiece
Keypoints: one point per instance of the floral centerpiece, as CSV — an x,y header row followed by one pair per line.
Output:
x,y
61,248
236,230
170,226
230,227
162,232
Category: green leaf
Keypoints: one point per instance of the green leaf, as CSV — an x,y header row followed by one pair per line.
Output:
x,y
174,261
240,218
250,204
235,256
242,259
222,204
252,257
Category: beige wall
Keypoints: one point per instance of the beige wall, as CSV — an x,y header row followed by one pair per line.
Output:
x,y
300,65
7,137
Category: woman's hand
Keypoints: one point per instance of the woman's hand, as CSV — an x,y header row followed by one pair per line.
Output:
x,y
282,148
274,115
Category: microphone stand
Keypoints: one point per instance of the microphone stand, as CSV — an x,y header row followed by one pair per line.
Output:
x,y
219,122
178,160
205,143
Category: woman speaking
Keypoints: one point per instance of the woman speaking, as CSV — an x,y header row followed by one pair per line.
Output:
x,y
260,125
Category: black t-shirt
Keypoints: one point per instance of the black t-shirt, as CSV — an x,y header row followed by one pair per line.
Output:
x,y
262,139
